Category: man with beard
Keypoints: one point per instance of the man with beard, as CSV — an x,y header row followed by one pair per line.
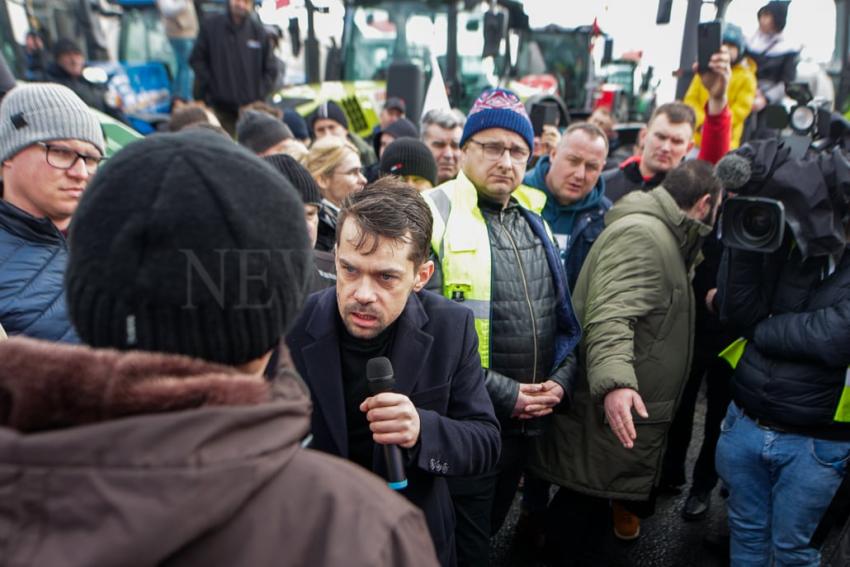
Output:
x,y
439,414
635,303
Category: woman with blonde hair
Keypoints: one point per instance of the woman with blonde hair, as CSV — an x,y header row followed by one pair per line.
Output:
x,y
335,165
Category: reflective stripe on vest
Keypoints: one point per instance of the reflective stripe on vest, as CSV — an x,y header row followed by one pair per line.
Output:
x,y
733,353
462,243
842,412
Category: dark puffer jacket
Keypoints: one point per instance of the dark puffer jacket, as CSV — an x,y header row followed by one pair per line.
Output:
x,y
33,255
523,323
797,319
525,305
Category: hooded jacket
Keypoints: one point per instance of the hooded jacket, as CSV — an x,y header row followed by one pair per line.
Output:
x,y
776,61
234,63
636,305
575,226
139,459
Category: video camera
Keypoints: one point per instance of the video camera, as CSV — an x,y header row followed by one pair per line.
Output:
x,y
800,182
808,117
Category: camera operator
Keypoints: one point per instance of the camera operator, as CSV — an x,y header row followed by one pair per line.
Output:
x,y
782,451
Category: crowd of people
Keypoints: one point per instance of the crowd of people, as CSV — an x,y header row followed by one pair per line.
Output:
x,y
190,330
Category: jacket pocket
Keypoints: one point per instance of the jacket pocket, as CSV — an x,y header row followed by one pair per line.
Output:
x,y
659,412
431,399
673,312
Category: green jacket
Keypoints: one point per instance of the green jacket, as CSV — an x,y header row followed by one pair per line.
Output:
x,y
636,306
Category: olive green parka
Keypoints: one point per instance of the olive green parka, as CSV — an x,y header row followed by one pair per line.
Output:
x,y
635,302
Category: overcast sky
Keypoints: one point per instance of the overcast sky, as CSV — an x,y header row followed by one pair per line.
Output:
x,y
632,25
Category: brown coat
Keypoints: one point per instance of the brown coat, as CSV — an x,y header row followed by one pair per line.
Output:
x,y
111,458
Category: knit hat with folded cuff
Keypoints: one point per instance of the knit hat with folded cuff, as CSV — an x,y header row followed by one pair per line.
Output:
x,y
498,108
331,111
188,244
41,112
409,156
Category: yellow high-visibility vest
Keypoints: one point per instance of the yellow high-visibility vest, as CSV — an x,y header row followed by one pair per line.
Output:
x,y
462,244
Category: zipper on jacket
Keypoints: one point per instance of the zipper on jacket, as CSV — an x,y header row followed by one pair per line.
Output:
x,y
527,297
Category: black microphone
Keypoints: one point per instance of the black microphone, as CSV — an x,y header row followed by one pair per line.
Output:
x,y
379,375
734,171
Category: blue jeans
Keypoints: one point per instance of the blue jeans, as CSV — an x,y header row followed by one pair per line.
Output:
x,y
182,85
780,484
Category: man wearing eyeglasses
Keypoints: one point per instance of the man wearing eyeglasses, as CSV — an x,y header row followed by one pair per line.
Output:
x,y
496,256
50,146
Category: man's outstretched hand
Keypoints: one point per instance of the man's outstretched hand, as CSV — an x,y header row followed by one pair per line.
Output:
x,y
618,410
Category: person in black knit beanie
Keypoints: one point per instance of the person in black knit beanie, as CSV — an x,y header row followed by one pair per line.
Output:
x,y
325,273
411,160
186,243
188,264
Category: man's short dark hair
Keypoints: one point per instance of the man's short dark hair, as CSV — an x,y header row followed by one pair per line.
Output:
x,y
261,106
676,113
186,116
688,182
208,127
389,208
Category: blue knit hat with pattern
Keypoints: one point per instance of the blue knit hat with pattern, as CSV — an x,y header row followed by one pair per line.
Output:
x,y
498,108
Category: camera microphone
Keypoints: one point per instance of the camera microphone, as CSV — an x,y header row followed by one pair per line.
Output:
x,y
379,375
734,171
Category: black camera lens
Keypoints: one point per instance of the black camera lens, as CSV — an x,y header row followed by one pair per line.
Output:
x,y
753,223
758,222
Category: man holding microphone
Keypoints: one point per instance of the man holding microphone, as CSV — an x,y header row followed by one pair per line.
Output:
x,y
439,414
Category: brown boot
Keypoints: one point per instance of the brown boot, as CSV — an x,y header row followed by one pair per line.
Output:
x,y
626,524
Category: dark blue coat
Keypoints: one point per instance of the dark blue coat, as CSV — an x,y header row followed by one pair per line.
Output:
x,y
797,321
33,255
436,364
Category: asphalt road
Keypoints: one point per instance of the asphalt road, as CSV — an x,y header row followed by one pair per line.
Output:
x,y
665,541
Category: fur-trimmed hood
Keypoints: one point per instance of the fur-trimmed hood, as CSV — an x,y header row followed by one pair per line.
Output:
x,y
141,453
46,386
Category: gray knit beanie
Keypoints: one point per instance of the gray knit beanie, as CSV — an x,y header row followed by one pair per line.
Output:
x,y
41,112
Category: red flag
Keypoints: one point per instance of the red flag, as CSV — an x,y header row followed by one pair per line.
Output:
x,y
281,4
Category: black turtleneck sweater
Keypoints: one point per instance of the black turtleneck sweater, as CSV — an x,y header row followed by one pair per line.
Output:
x,y
354,353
